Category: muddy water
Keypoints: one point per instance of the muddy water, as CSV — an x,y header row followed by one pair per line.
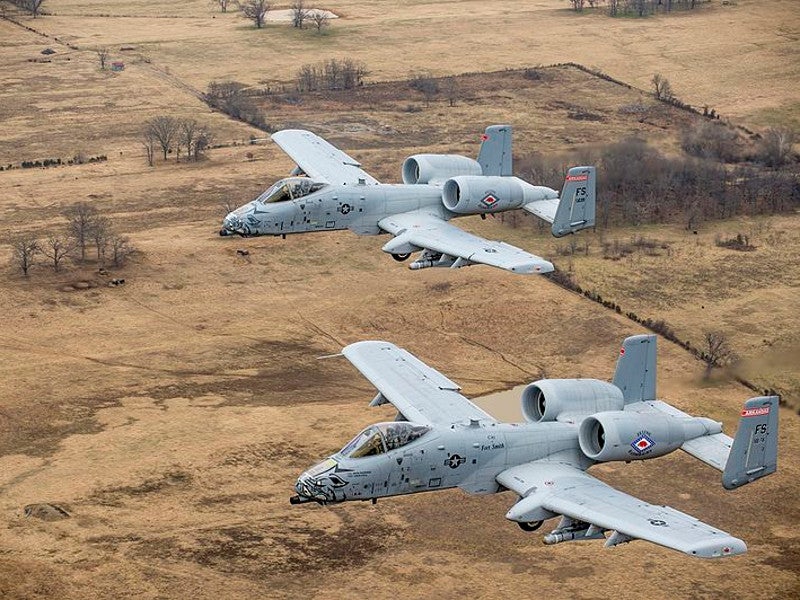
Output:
x,y
503,406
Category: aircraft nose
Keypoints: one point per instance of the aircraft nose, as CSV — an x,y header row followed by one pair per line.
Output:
x,y
307,491
314,486
231,224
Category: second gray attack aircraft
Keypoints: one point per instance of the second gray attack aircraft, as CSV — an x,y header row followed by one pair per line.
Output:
x,y
442,440
328,190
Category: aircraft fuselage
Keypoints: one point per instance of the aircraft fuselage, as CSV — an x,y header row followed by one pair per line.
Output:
x,y
358,208
465,456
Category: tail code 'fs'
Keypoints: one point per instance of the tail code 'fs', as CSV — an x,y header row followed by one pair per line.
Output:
x,y
494,156
636,369
576,207
754,453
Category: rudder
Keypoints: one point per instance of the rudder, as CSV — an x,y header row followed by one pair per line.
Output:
x,y
635,374
754,453
494,156
577,204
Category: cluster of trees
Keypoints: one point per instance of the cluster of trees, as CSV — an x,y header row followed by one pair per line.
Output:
x,y
232,98
637,184
332,74
168,134
34,7
302,15
639,8
430,87
86,229
257,10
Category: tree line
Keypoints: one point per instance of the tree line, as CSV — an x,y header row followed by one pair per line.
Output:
x,y
639,8
331,74
637,184
241,101
86,230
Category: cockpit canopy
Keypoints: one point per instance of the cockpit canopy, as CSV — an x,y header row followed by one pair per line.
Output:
x,y
290,188
383,437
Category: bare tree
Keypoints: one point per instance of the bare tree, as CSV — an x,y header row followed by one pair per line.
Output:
x,y
776,146
57,248
102,55
163,130
187,134
320,19
25,249
299,14
255,10
203,140
121,249
423,82
98,233
451,90
223,4
32,6
577,5
717,352
662,87
148,141
82,218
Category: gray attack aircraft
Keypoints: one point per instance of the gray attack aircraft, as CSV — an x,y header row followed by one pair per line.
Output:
x,y
442,440
328,191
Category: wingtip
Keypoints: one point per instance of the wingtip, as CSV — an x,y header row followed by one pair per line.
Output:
x,y
534,268
727,546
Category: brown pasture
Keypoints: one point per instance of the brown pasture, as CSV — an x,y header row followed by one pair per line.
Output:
x,y
169,417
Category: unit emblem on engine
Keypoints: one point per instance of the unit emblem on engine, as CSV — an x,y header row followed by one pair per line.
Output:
x,y
642,444
489,200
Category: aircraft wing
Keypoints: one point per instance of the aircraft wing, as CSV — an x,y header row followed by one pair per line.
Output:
x,y
420,393
566,490
427,231
320,159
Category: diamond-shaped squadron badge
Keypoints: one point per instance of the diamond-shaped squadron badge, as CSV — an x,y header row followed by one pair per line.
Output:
x,y
490,200
642,443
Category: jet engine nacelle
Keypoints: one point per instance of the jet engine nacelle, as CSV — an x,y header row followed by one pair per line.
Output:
x,y
474,195
429,168
621,435
551,399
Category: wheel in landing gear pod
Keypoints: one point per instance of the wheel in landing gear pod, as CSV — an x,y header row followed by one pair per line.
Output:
x,y
401,257
530,525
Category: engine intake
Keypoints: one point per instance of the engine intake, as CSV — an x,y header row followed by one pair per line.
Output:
x,y
620,435
436,168
559,399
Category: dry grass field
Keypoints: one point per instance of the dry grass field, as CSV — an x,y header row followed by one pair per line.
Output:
x,y
170,417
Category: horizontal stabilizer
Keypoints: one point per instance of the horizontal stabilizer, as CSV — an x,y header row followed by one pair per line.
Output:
x,y
544,209
711,449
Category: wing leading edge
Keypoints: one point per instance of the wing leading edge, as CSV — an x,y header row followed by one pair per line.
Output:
x,y
428,231
320,159
593,507
419,392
